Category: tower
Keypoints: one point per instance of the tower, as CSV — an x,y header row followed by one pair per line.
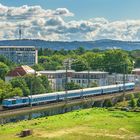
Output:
x,y
20,32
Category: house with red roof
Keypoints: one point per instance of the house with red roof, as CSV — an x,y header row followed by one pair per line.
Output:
x,y
19,71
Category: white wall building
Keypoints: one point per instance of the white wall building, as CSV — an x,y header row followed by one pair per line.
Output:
x,y
87,78
58,78
120,78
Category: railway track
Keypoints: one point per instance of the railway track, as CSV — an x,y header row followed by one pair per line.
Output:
x,y
57,104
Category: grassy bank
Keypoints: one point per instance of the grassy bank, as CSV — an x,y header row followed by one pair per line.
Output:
x,y
89,124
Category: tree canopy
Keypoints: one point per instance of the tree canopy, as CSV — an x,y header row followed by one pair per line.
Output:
x,y
7,91
19,82
112,61
3,70
72,86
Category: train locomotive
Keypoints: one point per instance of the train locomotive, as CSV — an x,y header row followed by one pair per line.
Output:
x,y
60,96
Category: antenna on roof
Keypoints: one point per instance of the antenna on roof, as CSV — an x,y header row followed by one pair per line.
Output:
x,y
20,32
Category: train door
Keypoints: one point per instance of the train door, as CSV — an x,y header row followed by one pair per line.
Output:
x,y
57,97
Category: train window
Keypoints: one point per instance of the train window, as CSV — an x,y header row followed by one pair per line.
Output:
x,y
24,101
13,101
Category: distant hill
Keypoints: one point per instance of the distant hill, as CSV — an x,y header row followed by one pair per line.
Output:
x,y
57,45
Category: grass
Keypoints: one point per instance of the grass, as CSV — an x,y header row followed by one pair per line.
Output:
x,y
88,124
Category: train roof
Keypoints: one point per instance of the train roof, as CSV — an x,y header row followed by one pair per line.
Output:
x,y
71,91
15,98
78,90
108,86
54,93
42,95
132,83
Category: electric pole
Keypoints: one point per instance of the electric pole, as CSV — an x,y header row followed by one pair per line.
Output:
x,y
88,85
31,95
66,80
124,70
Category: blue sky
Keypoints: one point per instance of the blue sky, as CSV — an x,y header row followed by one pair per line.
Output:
x,y
109,9
70,20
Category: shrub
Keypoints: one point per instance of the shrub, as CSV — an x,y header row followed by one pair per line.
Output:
x,y
132,102
138,102
107,103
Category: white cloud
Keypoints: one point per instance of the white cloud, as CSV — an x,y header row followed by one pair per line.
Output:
x,y
62,12
55,21
48,24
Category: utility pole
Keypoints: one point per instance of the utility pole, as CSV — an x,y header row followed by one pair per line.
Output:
x,y
31,95
66,81
124,70
82,90
88,77
31,89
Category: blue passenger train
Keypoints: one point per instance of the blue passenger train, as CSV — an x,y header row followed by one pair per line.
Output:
x,y
60,96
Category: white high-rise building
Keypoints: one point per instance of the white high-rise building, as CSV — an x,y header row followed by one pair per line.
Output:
x,y
25,55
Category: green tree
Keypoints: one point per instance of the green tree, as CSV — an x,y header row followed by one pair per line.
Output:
x,y
43,59
132,102
20,82
94,60
40,51
97,50
47,52
80,50
35,84
63,52
93,84
46,83
15,92
6,61
115,59
58,58
3,70
7,91
38,67
52,65
72,86
138,102
79,65
137,62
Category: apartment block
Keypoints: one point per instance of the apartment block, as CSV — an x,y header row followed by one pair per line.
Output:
x,y
25,55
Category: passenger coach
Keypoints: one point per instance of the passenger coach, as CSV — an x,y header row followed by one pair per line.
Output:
x,y
60,96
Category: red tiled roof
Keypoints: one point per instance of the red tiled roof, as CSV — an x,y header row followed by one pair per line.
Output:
x,y
20,71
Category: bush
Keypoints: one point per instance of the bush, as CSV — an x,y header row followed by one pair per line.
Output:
x,y
138,102
97,104
137,95
120,98
132,102
107,103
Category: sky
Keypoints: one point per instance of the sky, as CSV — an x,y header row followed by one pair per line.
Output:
x,y
69,20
